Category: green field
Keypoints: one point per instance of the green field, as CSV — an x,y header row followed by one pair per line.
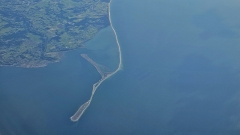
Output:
x,y
36,32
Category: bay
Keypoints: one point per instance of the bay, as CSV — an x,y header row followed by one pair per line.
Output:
x,y
40,100
180,76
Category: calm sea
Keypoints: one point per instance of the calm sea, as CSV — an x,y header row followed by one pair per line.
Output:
x,y
180,76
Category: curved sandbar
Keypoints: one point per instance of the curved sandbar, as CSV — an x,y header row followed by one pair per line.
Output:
x,y
104,75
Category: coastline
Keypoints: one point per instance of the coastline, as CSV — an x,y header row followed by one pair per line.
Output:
x,y
120,65
83,107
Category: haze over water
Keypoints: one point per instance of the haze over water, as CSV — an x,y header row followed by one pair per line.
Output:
x,y
180,77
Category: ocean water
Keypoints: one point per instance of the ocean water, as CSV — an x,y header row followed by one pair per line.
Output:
x,y
180,76
41,100
181,66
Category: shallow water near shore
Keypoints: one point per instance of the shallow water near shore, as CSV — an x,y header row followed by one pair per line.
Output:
x,y
42,99
180,76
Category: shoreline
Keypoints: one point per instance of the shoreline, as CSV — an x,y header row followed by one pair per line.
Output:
x,y
83,107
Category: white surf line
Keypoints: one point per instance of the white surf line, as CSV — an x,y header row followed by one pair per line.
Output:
x,y
83,107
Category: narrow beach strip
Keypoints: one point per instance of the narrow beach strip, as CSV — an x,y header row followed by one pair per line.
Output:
x,y
83,107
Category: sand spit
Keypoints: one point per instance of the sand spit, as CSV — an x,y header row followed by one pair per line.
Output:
x,y
99,68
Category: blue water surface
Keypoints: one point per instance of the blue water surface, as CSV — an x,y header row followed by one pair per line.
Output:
x,y
180,76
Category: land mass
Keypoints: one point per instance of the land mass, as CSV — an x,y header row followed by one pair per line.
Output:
x,y
34,33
